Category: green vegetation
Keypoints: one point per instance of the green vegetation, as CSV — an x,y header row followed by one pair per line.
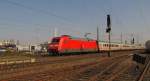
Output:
x,y
12,56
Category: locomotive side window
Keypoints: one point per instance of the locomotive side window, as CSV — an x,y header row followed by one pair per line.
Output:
x,y
55,40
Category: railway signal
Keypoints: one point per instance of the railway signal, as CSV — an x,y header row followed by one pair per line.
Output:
x,y
108,30
133,40
121,38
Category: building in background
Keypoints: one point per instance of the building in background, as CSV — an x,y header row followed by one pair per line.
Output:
x,y
7,44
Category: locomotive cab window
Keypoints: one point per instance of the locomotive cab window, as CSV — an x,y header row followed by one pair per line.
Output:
x,y
55,40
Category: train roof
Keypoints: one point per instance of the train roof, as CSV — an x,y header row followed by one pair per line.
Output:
x,y
72,37
108,42
116,43
80,38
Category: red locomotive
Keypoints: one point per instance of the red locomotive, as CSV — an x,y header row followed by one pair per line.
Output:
x,y
68,44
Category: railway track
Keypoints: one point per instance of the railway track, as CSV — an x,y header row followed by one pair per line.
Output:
x,y
133,74
130,74
48,60
101,70
42,62
145,74
8,71
68,72
71,67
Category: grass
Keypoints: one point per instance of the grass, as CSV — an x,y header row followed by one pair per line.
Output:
x,y
12,56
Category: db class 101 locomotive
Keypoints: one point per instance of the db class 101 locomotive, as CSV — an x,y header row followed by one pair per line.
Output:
x,y
66,44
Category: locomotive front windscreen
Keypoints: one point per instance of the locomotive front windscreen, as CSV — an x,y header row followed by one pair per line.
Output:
x,y
56,40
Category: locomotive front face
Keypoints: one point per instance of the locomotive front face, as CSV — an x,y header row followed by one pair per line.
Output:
x,y
53,46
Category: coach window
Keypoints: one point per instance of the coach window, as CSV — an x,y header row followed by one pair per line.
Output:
x,y
103,45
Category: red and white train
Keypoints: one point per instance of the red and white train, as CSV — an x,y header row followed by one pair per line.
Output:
x,y
67,44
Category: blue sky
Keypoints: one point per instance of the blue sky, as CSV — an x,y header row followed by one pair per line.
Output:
x,y
33,21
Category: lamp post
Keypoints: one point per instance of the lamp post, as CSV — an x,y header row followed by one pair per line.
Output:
x,y
98,40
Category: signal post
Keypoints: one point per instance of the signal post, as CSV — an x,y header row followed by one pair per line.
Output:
x,y
108,30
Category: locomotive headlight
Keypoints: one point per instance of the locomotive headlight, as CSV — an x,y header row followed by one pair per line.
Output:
x,y
56,45
51,45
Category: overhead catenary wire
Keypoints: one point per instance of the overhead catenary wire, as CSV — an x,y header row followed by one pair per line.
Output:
x,y
145,22
45,12
38,10
68,21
